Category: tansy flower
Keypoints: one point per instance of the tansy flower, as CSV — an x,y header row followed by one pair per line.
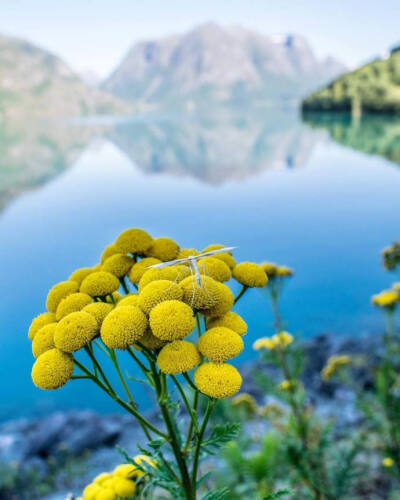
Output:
x,y
140,268
172,320
126,471
108,251
155,274
80,274
118,264
52,369
220,344
123,327
124,488
133,241
129,300
99,311
388,462
250,274
224,256
178,357
59,292
41,320
102,477
156,292
264,343
149,340
332,365
204,296
386,298
72,303
285,385
215,268
270,268
284,271
283,339
187,252
163,248
99,284
43,340
246,400
225,301
230,320
217,380
75,331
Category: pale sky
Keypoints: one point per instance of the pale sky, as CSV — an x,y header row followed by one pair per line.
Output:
x,y
95,34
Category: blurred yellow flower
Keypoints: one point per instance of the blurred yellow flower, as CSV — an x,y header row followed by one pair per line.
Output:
x,y
388,462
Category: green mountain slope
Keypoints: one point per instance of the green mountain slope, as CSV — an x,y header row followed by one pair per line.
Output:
x,y
374,88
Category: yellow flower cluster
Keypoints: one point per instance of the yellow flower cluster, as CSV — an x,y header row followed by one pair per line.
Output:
x,y
386,298
246,401
250,274
281,340
273,270
333,364
123,482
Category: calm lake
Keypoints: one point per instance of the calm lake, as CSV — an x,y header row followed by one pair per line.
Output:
x,y
321,196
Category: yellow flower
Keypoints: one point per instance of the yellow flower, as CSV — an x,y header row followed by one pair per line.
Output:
x,y
44,339
59,292
247,400
386,298
283,339
99,311
250,274
90,492
172,320
224,302
108,251
187,252
230,320
220,344
52,369
224,256
215,268
165,249
99,284
80,274
75,331
264,343
118,264
40,321
102,477
396,286
149,340
126,471
106,494
388,462
129,300
285,385
123,327
155,274
139,459
177,357
139,268
332,365
270,268
200,297
72,303
284,271
217,380
133,241
156,292
124,488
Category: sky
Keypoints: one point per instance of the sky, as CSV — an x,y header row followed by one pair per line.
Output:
x,y
94,35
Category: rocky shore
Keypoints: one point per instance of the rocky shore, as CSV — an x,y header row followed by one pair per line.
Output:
x,y
48,458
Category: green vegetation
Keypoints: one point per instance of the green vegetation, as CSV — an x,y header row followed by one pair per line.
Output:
x,y
373,88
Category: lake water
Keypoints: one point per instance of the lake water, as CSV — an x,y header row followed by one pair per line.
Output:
x,y
321,197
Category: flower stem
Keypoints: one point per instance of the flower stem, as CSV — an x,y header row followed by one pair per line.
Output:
x,y
241,293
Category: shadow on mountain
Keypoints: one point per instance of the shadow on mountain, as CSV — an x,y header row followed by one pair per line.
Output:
x,y
216,147
371,134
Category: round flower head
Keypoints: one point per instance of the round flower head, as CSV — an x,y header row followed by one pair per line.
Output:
x,y
108,251
200,297
284,271
44,339
139,268
124,487
187,252
224,303
215,268
99,311
172,320
181,271
250,274
219,344
224,256
264,343
270,268
178,357
129,300
127,471
133,241
217,380
155,274
230,320
75,331
387,462
123,327
72,303
41,320
99,284
386,298
91,490
149,340
164,249
118,264
80,274
106,494
59,292
156,292
104,476
52,369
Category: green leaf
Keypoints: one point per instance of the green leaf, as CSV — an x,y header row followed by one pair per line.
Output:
x,y
220,435
277,494
216,495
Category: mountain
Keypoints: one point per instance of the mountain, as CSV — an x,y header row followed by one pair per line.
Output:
x,y
34,82
375,87
214,63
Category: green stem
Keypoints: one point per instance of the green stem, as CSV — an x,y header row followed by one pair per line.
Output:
x,y
241,293
100,369
185,400
114,359
124,285
190,381
200,435
191,425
